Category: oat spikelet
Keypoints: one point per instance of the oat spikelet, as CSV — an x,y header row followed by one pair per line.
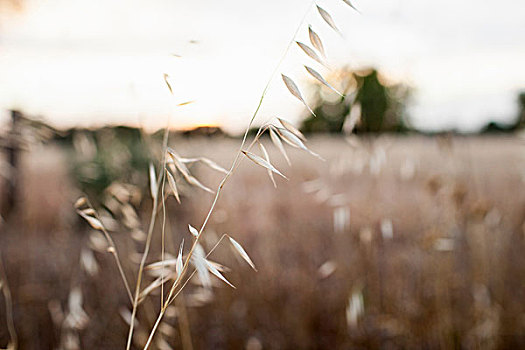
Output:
x,y
94,222
193,231
173,185
166,77
270,173
291,128
316,41
351,5
294,141
199,261
80,202
207,162
310,52
327,18
259,161
216,272
322,80
242,252
185,172
178,264
294,90
277,142
152,182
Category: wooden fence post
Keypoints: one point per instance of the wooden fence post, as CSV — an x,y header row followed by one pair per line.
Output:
x,y
12,149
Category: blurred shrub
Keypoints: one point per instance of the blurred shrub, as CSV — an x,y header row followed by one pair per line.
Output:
x,y
378,103
103,156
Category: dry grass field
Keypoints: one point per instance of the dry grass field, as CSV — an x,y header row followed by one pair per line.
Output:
x,y
391,243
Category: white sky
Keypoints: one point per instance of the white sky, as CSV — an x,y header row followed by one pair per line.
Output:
x,y
88,62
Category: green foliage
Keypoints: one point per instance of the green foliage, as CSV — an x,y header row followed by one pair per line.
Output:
x,y
103,156
381,105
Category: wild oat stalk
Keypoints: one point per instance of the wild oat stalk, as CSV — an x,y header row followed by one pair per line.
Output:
x,y
172,293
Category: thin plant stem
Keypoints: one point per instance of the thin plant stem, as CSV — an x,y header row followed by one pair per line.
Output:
x,y
148,243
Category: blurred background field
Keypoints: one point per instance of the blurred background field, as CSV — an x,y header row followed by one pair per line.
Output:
x,y
392,242
408,235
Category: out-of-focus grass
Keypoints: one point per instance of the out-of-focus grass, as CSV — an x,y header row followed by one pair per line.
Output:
x,y
450,273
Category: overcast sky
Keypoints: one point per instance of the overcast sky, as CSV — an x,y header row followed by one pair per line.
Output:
x,y
88,62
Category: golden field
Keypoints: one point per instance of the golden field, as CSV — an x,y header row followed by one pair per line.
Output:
x,y
391,242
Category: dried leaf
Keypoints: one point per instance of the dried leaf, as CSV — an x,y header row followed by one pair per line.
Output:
x,y
277,142
291,128
316,41
152,182
173,186
94,222
294,90
322,80
242,252
216,272
166,77
327,18
310,52
270,173
259,161
193,231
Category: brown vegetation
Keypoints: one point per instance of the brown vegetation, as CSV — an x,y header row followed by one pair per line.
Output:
x,y
402,243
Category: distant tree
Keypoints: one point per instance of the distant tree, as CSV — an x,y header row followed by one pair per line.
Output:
x,y
517,124
381,105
